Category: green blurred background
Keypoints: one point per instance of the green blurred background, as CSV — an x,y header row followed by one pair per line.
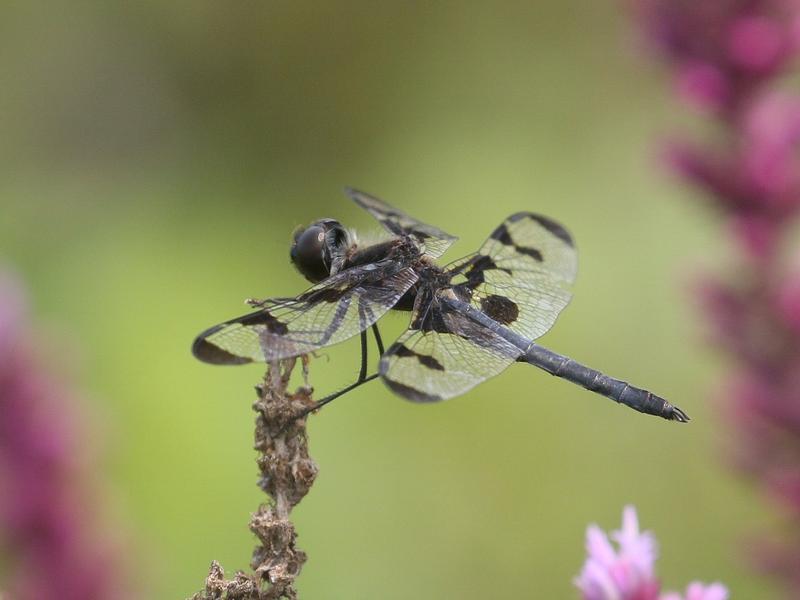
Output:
x,y
156,157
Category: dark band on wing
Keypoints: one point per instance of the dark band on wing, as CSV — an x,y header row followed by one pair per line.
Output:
x,y
475,268
390,219
336,321
410,393
555,228
213,354
434,239
429,365
330,312
520,276
532,252
481,264
425,360
263,317
502,235
329,294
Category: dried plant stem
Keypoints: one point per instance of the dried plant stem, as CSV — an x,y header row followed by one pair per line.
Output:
x,y
287,473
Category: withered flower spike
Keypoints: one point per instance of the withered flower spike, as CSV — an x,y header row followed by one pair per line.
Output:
x,y
286,475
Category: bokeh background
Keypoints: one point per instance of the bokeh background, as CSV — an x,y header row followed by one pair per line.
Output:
x,y
156,157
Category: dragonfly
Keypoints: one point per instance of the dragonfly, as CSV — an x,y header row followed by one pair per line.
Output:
x,y
470,319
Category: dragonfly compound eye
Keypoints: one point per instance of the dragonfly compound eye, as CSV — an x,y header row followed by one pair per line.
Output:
x,y
315,248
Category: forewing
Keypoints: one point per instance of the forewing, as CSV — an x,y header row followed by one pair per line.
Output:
x,y
435,241
328,313
522,274
447,357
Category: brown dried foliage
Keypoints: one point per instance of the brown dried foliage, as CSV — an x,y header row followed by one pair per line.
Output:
x,y
287,473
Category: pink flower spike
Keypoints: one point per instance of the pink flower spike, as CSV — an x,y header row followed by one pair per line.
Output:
x,y
770,148
12,310
628,573
598,546
48,532
756,43
788,302
743,55
637,548
699,591
623,574
756,235
794,34
702,84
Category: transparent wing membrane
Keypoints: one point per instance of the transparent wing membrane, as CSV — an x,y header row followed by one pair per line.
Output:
x,y
520,278
434,240
522,274
446,357
328,313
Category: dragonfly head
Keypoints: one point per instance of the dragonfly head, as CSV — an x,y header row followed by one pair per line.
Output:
x,y
319,249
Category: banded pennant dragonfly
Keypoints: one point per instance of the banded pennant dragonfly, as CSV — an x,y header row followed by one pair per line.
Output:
x,y
469,319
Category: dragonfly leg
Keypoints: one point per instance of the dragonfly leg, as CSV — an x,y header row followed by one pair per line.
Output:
x,y
327,399
378,339
362,375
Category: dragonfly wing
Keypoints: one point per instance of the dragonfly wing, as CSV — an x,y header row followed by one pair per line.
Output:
x,y
326,314
434,240
443,355
522,275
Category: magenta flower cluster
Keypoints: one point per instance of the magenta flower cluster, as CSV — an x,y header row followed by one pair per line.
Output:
x,y
628,572
732,60
45,511
727,56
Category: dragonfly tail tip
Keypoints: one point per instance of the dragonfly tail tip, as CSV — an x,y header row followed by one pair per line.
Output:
x,y
678,415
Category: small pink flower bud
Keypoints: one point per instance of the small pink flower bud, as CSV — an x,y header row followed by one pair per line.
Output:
x,y
788,302
703,85
756,43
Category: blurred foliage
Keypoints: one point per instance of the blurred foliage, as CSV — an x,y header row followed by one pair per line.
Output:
x,y
157,156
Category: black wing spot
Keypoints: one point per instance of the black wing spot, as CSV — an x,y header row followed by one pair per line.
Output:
x,y
500,308
532,252
479,265
263,317
424,359
502,235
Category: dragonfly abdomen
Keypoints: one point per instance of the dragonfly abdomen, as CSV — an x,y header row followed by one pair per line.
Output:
x,y
595,381
566,368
